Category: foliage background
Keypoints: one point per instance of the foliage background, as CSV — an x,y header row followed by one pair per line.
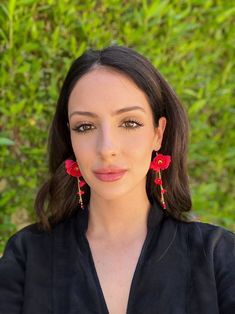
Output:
x,y
191,43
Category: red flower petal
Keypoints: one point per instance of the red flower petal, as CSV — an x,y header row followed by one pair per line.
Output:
x,y
68,163
72,168
163,191
154,166
160,162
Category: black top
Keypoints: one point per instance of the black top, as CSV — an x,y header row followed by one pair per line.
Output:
x,y
183,268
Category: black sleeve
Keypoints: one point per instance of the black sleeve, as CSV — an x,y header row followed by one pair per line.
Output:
x,y
224,263
12,278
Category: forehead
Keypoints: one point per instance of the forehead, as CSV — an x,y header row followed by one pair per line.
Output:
x,y
104,89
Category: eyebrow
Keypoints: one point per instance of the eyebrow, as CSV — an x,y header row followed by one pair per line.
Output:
x,y
91,114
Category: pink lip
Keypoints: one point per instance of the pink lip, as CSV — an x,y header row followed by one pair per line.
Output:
x,y
109,175
109,170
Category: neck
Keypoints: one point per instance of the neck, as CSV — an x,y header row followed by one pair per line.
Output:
x,y
123,218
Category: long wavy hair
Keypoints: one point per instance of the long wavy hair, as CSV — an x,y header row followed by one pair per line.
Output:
x,y
56,199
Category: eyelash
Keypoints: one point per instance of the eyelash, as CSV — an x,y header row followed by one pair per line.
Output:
x,y
139,124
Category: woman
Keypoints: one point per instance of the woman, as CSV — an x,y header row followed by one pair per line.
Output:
x,y
114,232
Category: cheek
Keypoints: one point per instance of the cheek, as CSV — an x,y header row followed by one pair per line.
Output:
x,y
141,145
140,153
81,147
74,144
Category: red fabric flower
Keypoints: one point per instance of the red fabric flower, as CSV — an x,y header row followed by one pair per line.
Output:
x,y
158,181
72,168
160,162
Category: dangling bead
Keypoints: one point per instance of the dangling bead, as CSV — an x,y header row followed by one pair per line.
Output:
x,y
80,192
73,170
160,162
162,190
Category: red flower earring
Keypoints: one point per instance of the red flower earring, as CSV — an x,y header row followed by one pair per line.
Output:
x,y
73,170
160,162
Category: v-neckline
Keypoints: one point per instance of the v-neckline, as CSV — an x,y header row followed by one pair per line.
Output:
x,y
155,216
138,264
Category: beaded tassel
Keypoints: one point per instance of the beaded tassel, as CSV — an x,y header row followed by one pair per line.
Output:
x,y
73,170
160,162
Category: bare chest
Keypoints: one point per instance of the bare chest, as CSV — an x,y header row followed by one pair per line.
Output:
x,y
115,270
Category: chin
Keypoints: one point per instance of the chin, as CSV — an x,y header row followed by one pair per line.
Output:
x,y
114,192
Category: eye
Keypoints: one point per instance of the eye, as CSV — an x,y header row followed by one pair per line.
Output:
x,y
83,128
86,127
132,124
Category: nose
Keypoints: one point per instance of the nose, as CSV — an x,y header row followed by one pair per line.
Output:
x,y
107,144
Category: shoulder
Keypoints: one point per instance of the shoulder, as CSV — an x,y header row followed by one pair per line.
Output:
x,y
198,228
216,242
16,246
32,237
217,247
211,233
211,254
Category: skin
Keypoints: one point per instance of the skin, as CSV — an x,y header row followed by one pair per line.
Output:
x,y
118,210
111,141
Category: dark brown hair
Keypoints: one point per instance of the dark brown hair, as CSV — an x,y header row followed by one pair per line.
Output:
x,y
57,199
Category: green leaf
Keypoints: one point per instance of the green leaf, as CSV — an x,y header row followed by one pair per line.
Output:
x,y
11,8
6,141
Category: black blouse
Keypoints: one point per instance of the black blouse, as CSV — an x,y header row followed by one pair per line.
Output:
x,y
183,268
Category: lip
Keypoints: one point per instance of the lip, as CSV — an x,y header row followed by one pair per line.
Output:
x,y
109,170
109,175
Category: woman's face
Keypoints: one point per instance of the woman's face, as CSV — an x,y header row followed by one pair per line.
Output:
x,y
112,126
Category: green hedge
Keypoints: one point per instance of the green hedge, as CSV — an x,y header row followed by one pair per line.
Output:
x,y
190,42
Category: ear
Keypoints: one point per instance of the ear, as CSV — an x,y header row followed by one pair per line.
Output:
x,y
159,131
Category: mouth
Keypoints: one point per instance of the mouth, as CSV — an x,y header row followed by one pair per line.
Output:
x,y
110,175
109,170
